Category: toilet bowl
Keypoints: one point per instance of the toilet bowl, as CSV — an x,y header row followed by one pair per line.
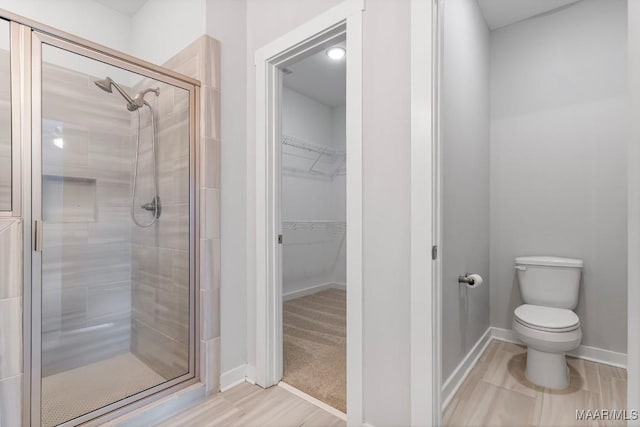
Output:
x,y
546,322
548,333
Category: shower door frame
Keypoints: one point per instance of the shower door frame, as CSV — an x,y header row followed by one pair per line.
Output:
x,y
33,38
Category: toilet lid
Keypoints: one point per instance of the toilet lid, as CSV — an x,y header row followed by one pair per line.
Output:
x,y
547,318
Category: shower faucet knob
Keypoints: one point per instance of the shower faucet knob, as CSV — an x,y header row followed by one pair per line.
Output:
x,y
153,206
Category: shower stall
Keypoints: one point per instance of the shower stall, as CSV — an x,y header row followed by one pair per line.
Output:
x,y
108,186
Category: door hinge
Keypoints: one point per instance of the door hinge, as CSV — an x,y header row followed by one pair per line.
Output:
x,y
434,252
280,239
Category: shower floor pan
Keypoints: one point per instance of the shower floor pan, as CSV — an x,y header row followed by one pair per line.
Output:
x,y
76,392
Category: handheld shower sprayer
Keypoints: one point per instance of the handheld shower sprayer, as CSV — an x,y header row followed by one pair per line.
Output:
x,y
138,99
134,104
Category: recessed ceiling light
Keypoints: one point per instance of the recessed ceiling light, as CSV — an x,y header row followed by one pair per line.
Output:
x,y
336,53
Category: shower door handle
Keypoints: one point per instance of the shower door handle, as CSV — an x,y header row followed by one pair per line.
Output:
x,y
37,235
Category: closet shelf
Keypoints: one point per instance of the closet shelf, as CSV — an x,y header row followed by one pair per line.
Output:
x,y
315,225
324,154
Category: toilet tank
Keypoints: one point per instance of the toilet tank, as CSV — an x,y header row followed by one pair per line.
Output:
x,y
549,281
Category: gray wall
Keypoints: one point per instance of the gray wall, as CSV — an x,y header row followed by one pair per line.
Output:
x,y
465,174
559,132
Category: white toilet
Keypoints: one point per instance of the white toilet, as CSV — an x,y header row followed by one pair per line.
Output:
x,y
546,322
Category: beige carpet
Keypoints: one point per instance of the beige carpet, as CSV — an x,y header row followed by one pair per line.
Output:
x,y
315,346
76,392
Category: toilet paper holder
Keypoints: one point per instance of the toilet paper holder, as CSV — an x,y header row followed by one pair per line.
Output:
x,y
467,279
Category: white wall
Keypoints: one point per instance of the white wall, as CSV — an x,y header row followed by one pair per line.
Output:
x,y
88,19
311,257
159,30
559,133
306,118
386,235
162,28
386,157
226,21
305,197
465,175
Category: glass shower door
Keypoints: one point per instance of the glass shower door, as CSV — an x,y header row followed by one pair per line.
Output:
x,y
113,201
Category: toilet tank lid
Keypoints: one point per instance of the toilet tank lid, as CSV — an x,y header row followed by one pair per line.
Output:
x,y
549,261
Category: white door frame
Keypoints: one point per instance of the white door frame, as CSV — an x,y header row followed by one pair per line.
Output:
x,y
426,334
344,19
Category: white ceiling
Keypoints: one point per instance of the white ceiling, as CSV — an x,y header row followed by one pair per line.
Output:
x,y
319,78
126,7
499,13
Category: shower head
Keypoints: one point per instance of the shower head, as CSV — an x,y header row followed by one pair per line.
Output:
x,y
107,85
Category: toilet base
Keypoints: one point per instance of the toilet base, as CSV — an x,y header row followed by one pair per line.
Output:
x,y
548,370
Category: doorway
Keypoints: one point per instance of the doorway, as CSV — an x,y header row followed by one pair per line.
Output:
x,y
313,215
342,23
535,207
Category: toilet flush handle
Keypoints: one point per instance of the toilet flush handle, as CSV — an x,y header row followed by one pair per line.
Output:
x,y
521,268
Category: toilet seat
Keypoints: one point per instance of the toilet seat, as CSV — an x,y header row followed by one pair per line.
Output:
x,y
547,319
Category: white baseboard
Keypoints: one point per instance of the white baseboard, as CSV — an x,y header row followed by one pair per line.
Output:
x,y
339,285
233,377
312,290
320,404
455,380
593,354
251,374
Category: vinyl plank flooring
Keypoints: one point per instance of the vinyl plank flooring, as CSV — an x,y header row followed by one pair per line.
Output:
x,y
248,405
508,408
559,409
496,393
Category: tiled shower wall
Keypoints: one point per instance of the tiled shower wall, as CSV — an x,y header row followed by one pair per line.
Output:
x,y
87,251
160,253
201,60
5,133
10,321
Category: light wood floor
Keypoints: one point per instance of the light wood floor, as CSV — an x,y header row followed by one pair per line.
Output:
x,y
496,393
250,405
